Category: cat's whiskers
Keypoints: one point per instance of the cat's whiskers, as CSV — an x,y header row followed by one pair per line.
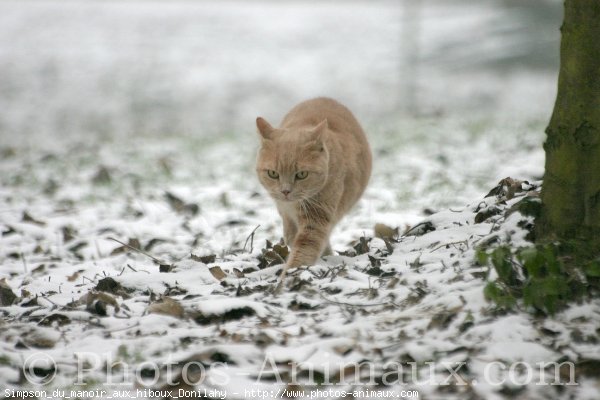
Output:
x,y
303,208
315,210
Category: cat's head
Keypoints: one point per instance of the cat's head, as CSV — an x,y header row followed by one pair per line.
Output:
x,y
292,164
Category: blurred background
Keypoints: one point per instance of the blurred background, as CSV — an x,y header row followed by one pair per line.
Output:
x,y
76,69
108,100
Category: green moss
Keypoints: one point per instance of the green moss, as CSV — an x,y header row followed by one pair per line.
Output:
x,y
544,278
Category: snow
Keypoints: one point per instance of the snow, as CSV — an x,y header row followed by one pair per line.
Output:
x,y
220,305
70,112
512,351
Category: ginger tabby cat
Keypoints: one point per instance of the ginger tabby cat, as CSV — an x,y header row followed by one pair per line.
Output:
x,y
315,166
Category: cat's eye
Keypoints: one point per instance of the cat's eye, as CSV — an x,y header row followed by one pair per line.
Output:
x,y
272,174
301,175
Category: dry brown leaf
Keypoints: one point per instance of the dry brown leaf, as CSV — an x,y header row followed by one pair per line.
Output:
x,y
167,306
7,297
40,339
238,273
343,349
204,259
73,277
29,218
96,302
282,250
217,272
384,231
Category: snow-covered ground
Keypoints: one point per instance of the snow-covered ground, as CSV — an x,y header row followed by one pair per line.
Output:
x,y
132,122
201,300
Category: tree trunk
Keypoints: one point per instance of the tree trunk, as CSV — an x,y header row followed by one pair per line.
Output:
x,y
571,189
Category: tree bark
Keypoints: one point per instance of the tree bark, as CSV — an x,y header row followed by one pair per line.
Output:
x,y
571,188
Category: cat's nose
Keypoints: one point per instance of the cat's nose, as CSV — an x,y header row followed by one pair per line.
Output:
x,y
285,192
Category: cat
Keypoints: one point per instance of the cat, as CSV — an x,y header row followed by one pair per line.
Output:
x,y
315,165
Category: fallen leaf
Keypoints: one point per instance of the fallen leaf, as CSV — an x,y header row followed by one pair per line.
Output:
x,y
204,259
50,187
39,338
165,268
153,242
68,233
362,247
281,249
180,206
443,319
167,306
272,254
73,278
7,297
32,302
384,231
343,349
393,282
133,242
96,302
77,246
28,218
262,339
109,285
102,176
39,269
55,319
231,315
420,229
375,264
486,213
238,273
9,231
218,273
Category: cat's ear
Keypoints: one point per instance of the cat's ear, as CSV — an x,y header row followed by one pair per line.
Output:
x,y
319,129
264,128
316,135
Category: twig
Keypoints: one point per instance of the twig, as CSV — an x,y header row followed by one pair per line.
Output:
x,y
97,249
336,271
156,260
316,275
450,244
494,222
325,273
124,328
251,238
45,297
350,304
133,269
24,262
